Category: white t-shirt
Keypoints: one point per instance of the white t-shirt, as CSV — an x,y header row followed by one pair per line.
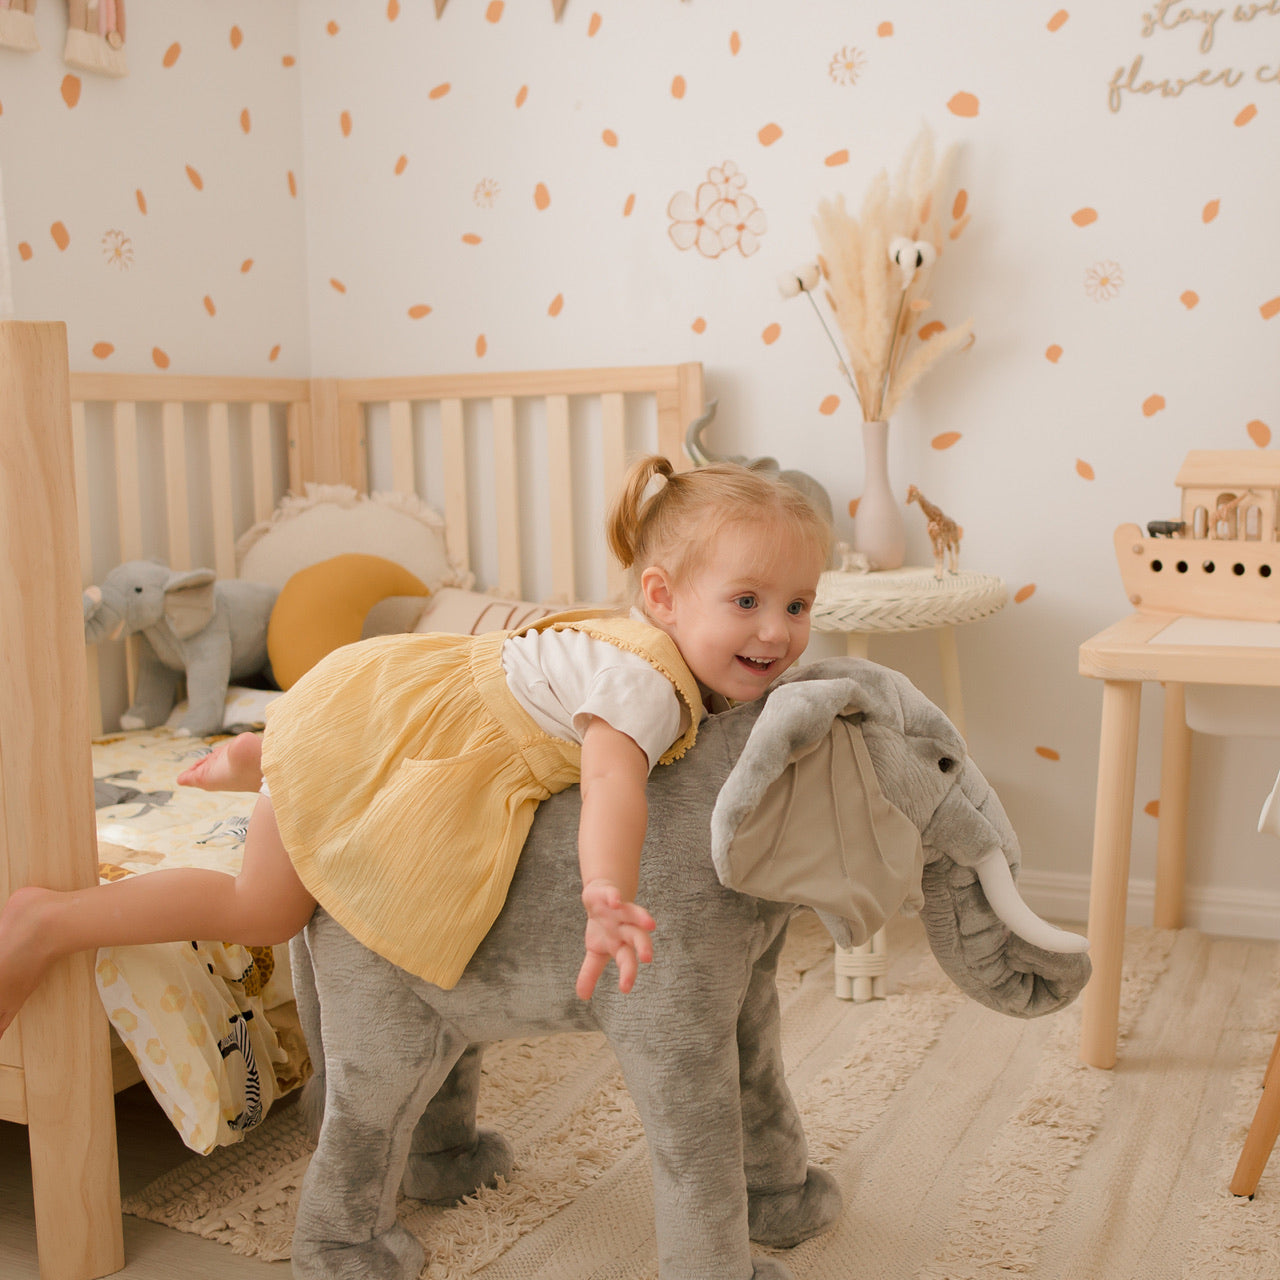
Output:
x,y
563,678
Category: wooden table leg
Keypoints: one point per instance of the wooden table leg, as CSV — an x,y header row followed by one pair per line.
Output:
x,y
1171,837
949,659
1109,881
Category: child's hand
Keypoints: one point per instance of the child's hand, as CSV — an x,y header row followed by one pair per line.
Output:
x,y
616,930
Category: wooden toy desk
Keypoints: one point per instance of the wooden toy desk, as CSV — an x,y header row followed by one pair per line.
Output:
x,y
1176,650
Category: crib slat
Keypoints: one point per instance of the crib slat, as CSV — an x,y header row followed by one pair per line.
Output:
x,y
173,425
128,490
560,490
298,428
613,430
80,452
224,537
456,517
403,479
507,497
264,486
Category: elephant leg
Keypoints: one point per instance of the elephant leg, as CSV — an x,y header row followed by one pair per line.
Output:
x,y
386,1054
155,690
308,1004
685,1085
788,1199
449,1156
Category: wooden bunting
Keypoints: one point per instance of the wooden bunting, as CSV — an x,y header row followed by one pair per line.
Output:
x,y
18,25
95,37
558,6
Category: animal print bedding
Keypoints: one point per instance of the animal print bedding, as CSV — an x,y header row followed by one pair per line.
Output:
x,y
211,1026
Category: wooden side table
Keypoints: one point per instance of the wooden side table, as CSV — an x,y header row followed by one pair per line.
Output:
x,y
889,602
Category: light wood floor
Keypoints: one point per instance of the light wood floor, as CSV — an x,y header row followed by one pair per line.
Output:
x,y
149,1146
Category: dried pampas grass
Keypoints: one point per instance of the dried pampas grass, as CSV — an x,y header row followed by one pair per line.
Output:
x,y
877,267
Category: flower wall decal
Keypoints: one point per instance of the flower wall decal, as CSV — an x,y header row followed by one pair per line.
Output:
x,y
118,249
719,216
486,193
1103,281
846,65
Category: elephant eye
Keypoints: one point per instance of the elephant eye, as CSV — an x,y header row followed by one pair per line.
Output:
x,y
946,764
137,591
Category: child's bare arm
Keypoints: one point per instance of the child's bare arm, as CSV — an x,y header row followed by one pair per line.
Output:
x,y
611,831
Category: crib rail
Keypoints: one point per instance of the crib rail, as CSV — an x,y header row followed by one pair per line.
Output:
x,y
519,464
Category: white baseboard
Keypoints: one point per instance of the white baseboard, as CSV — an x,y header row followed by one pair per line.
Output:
x,y
1236,913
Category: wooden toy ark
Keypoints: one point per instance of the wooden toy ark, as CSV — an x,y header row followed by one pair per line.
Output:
x,y
1221,559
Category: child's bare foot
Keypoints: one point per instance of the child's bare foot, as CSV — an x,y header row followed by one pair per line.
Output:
x,y
23,958
231,766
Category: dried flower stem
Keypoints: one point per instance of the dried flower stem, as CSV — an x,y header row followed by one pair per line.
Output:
x,y
844,368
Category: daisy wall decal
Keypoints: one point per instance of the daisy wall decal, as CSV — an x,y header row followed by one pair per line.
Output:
x,y
846,65
486,193
719,216
118,249
1103,281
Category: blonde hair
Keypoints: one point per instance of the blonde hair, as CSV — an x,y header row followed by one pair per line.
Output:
x,y
671,526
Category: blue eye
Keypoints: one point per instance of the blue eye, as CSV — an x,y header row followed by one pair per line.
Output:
x,y
796,608
745,602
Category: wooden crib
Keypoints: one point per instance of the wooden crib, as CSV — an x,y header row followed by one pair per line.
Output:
x,y
264,436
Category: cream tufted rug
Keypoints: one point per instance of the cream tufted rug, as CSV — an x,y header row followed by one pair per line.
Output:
x,y
970,1146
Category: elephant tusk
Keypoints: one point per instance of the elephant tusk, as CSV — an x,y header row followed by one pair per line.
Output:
x,y
1005,900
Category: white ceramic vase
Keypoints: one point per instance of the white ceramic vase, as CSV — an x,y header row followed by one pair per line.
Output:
x,y
878,531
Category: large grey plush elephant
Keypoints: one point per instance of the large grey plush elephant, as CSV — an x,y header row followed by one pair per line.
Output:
x,y
844,787
214,632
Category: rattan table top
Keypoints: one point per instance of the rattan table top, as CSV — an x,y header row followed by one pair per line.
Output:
x,y
907,599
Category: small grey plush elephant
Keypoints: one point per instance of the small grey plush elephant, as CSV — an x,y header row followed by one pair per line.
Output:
x,y
844,788
214,632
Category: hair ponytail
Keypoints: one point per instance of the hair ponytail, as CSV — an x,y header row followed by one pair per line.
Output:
x,y
627,515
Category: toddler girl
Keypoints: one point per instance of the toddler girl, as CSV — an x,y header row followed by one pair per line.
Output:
x,y
401,774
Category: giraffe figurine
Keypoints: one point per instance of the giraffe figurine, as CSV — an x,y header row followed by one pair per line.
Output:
x,y
944,533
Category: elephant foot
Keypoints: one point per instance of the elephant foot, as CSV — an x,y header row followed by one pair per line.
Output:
x,y
769,1269
445,1177
782,1219
394,1255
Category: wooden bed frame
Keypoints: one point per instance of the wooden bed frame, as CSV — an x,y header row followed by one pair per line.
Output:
x,y
56,1069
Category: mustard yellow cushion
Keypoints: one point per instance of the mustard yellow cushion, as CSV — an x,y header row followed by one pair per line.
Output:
x,y
323,607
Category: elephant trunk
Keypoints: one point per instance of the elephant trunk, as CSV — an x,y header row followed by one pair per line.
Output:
x,y
1007,903
101,621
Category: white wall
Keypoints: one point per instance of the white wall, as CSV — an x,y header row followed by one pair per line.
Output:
x,y
1043,144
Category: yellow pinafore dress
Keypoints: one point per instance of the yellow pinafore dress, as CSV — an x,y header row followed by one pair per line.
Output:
x,y
405,775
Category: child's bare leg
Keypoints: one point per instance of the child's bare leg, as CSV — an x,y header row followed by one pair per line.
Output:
x,y
263,905
235,765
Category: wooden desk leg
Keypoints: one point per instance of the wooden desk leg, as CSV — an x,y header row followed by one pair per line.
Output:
x,y
949,659
856,644
1171,837
1109,882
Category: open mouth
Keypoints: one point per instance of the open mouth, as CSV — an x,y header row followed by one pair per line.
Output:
x,y
757,664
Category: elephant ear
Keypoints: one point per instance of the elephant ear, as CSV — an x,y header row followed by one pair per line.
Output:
x,y
801,817
189,601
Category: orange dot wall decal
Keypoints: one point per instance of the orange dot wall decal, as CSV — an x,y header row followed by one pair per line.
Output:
x,y
837,158
71,90
419,310
522,96
735,43
1023,594
1047,753
482,345
829,405
541,196
393,10
142,201
699,325
609,138
1189,298
1152,405
336,285
1053,353
193,176
236,37
208,305
244,120
945,440
1270,309
1084,470
344,122
1210,211
160,358
24,251
884,29
61,236
1085,216
1259,433
494,12
1245,116
557,305
171,55
402,163
332,28
439,91
629,207
293,184
471,238
1056,22
963,104
594,25
246,266
102,350
274,354
769,135
771,334
678,87
1152,808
